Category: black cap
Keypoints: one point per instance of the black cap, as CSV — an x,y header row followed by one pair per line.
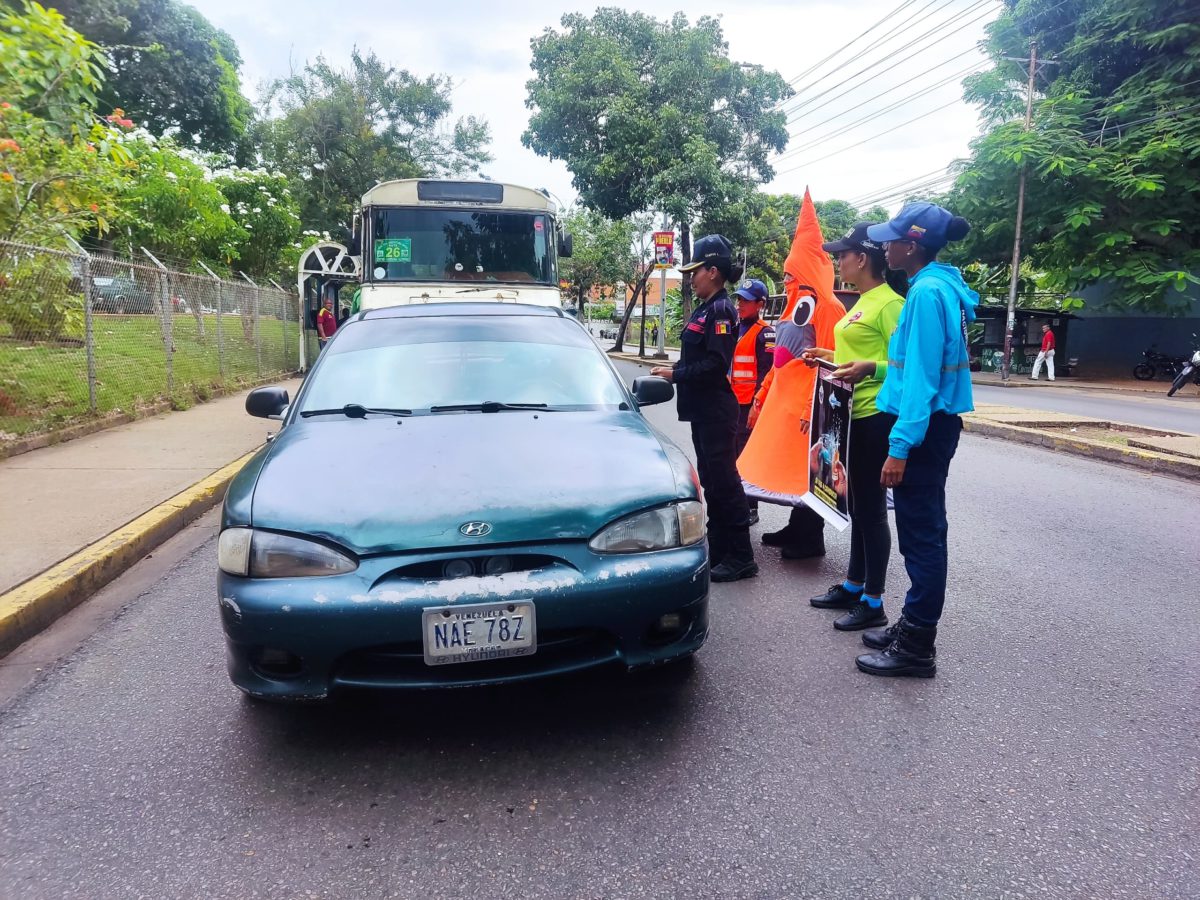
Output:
x,y
708,251
856,239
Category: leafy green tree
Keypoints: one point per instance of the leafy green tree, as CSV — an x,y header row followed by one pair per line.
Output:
x,y
652,115
602,253
339,132
170,67
262,206
1113,158
59,162
173,208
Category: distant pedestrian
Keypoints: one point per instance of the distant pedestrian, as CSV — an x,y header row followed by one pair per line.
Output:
x,y
326,323
654,335
928,387
1046,355
706,401
752,360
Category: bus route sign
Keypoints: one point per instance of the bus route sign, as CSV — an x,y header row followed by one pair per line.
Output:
x,y
389,250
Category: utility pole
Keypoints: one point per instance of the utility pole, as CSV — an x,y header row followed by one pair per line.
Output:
x,y
1010,322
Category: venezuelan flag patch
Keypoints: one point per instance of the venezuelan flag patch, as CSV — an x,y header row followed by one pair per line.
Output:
x,y
722,328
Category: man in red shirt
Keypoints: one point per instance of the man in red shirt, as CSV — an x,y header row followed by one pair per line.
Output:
x,y
1046,355
327,323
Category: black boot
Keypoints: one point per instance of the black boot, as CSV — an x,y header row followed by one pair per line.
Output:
x,y
733,569
807,550
837,597
911,653
784,535
861,615
881,638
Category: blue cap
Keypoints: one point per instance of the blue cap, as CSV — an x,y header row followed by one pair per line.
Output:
x,y
708,251
922,223
752,289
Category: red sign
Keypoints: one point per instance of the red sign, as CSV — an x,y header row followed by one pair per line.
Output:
x,y
664,249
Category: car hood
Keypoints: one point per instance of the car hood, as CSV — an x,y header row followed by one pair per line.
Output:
x,y
381,485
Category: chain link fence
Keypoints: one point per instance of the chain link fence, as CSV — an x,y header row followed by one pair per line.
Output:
x,y
84,335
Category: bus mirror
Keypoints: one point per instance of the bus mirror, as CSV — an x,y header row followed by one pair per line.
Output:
x,y
565,245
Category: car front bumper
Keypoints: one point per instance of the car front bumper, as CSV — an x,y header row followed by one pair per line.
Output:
x,y
364,629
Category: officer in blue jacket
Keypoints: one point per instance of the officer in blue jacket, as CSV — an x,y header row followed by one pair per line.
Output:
x,y
928,387
706,400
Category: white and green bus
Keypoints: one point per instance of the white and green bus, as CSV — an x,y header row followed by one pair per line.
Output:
x,y
419,240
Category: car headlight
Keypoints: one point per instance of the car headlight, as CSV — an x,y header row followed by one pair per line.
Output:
x,y
677,525
264,554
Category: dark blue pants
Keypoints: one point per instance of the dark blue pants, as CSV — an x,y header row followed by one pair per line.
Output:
x,y
921,519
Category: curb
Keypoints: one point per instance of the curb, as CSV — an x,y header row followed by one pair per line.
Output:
x,y
1145,460
33,605
1069,385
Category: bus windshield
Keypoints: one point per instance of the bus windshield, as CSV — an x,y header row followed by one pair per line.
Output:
x,y
438,244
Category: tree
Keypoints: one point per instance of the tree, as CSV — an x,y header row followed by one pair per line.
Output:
x,y
59,162
170,67
602,253
1113,158
652,115
338,133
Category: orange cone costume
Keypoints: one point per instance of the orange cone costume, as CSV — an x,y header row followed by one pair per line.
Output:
x,y
774,465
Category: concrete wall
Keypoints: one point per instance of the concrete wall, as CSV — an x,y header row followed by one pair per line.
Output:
x,y
1108,340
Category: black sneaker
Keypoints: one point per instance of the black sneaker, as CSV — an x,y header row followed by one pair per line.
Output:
x,y
861,615
753,520
837,597
731,570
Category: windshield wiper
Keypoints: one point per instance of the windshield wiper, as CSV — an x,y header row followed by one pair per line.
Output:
x,y
486,287
356,411
487,406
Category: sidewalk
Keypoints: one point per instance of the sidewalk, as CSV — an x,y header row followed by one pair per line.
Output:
x,y
60,499
1120,385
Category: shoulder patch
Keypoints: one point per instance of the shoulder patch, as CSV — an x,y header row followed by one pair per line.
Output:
x,y
722,328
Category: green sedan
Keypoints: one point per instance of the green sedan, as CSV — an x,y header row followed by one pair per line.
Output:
x,y
460,494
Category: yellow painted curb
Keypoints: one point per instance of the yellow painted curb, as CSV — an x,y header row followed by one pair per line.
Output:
x,y
32,605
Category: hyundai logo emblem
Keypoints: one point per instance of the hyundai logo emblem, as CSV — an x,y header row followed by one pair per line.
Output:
x,y
475,529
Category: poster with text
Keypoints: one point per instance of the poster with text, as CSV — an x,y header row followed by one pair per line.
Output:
x,y
829,449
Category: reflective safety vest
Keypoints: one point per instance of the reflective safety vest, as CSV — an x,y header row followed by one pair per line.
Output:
x,y
744,374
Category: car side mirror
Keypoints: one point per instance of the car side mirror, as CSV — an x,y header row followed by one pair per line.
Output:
x,y
566,245
650,389
267,402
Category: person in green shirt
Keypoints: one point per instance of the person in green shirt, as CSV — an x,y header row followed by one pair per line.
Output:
x,y
861,352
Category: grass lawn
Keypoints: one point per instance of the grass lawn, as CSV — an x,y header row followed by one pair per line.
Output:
x,y
44,386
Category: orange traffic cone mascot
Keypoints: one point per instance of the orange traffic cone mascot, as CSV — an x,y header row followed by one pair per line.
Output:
x,y
774,465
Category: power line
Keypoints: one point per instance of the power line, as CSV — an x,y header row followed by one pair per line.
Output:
x,y
798,101
812,142
900,190
873,67
890,90
853,41
873,137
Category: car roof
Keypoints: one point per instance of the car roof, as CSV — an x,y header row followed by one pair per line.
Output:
x,y
461,308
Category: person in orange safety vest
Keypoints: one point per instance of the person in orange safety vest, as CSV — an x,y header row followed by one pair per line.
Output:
x,y
752,359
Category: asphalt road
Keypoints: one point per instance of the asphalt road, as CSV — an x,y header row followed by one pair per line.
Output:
x,y
1054,755
1178,413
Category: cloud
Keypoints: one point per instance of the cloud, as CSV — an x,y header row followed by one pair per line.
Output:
x,y
484,47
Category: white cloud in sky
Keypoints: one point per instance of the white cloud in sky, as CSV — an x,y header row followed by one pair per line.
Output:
x,y
484,47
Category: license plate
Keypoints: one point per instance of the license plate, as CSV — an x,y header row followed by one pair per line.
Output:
x,y
478,632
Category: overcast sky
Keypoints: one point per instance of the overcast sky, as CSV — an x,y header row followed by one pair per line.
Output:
x,y
484,47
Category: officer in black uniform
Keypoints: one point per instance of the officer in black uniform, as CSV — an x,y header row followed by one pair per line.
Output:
x,y
706,400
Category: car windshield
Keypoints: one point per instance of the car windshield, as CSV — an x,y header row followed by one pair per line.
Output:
x,y
472,246
461,360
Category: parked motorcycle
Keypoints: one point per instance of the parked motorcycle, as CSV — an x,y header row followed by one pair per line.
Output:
x,y
1190,372
1156,364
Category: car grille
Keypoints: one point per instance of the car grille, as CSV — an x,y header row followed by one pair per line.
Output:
x,y
399,665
